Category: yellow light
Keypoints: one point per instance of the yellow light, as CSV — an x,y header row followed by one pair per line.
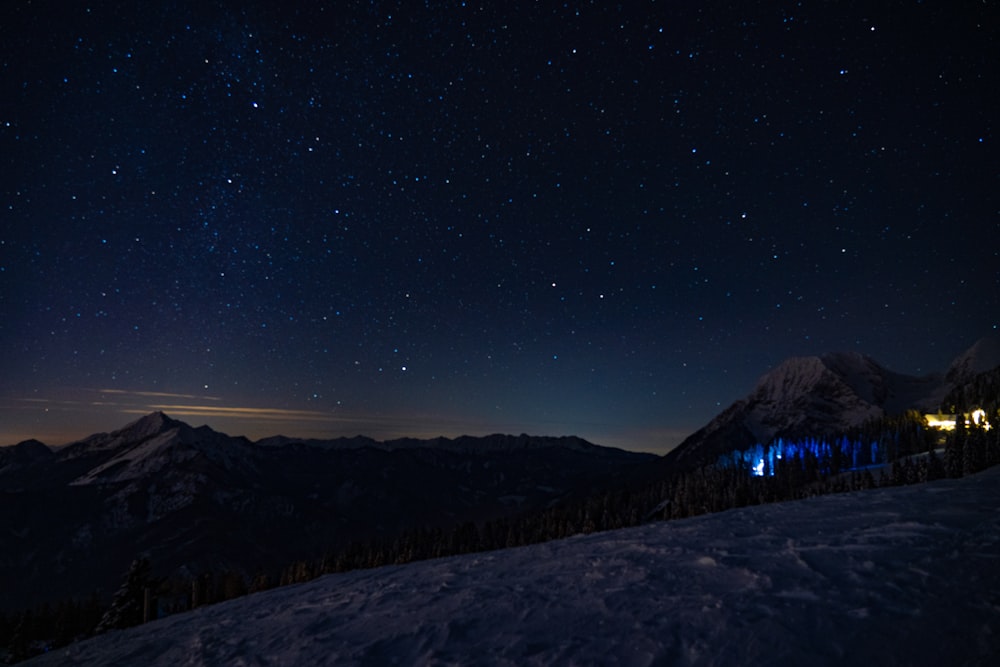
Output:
x,y
942,422
947,422
979,419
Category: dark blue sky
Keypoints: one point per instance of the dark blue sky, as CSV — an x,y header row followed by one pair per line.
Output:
x,y
537,217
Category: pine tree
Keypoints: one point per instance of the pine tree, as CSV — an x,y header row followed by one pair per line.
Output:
x,y
935,468
233,585
954,451
974,458
19,645
128,604
262,581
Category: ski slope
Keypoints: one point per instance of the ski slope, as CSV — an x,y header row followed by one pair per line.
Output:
x,y
904,576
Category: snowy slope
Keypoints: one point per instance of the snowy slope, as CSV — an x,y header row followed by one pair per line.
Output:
x,y
904,576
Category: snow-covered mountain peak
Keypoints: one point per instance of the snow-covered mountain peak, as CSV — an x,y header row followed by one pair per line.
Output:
x,y
847,364
983,356
148,445
798,376
822,393
141,429
789,378
152,424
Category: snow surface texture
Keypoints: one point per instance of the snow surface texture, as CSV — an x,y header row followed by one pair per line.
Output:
x,y
904,576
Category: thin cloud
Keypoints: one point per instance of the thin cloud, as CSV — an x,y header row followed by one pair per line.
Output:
x,y
157,394
269,414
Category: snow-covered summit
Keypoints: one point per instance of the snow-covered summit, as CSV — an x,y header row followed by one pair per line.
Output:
x,y
148,425
150,445
139,430
857,378
983,356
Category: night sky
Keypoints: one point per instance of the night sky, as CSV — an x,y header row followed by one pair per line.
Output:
x,y
555,218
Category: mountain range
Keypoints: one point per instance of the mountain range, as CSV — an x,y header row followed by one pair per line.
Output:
x,y
195,500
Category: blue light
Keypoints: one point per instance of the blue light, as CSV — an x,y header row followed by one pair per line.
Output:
x,y
842,454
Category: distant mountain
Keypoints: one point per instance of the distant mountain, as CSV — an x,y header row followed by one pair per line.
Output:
x,y
195,500
463,444
820,395
23,455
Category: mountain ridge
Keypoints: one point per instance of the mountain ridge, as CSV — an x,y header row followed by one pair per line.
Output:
x,y
197,500
468,443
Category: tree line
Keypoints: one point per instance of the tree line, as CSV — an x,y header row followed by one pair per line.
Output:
x,y
905,452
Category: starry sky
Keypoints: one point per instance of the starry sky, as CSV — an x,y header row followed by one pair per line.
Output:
x,y
441,218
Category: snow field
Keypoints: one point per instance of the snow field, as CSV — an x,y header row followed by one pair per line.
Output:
x,y
901,576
